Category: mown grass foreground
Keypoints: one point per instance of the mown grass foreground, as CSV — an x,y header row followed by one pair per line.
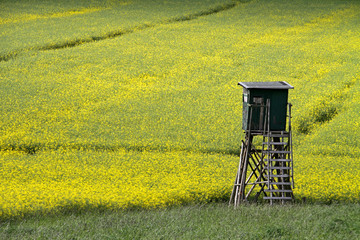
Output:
x,y
128,104
211,221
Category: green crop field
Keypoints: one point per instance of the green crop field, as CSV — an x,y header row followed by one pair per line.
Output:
x,y
123,104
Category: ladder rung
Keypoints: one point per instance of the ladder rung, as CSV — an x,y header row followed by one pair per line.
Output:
x,y
275,143
278,198
280,183
280,168
273,151
278,190
277,160
278,175
278,135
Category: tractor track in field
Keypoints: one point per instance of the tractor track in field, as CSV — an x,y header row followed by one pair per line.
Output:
x,y
118,33
35,148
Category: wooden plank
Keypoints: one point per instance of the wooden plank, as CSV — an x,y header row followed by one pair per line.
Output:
x,y
272,133
280,168
278,190
275,143
278,198
278,135
278,175
277,160
274,151
280,183
279,132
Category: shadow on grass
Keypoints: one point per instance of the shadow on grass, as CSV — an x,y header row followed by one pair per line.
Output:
x,y
75,209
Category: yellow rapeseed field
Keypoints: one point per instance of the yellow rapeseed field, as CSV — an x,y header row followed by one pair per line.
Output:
x,y
66,179
122,104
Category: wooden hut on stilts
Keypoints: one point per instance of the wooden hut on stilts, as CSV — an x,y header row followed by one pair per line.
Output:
x,y
265,171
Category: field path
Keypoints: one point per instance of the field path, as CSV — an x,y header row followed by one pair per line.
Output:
x,y
110,34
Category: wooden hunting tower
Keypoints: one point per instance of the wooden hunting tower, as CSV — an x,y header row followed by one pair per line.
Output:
x,y
269,169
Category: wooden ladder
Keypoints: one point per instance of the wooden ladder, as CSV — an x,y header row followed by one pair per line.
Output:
x,y
277,153
268,170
